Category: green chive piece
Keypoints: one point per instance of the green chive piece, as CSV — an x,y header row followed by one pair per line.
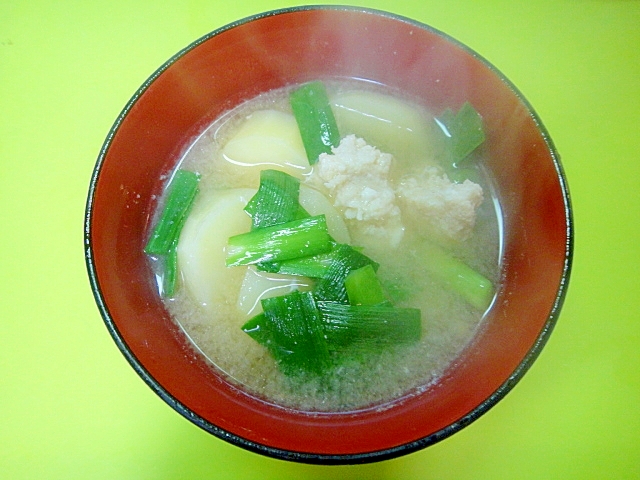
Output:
x,y
316,122
363,287
256,328
181,193
291,329
369,325
475,288
345,259
170,272
276,200
298,238
463,132
314,266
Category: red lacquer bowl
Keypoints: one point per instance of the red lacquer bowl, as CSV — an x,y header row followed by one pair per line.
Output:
x,y
289,46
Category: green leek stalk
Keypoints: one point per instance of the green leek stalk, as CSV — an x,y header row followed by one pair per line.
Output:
x,y
298,238
463,132
316,122
181,193
363,287
276,200
472,286
291,329
331,286
370,326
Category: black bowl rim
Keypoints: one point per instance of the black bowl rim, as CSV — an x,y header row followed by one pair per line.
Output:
x,y
305,457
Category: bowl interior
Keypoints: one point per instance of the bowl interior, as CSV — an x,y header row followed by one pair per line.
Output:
x,y
270,51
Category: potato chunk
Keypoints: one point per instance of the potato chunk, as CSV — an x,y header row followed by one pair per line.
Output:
x,y
201,249
391,124
268,139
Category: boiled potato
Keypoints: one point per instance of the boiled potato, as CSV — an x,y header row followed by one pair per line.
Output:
x,y
268,139
389,123
203,241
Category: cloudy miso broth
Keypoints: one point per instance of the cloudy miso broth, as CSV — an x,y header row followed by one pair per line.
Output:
x,y
396,199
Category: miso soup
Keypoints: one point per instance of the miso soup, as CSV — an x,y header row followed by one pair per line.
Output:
x,y
391,190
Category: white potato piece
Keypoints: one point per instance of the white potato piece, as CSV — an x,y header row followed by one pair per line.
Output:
x,y
389,123
315,203
203,241
268,139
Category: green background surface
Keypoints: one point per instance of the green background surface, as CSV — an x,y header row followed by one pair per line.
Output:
x,y
70,404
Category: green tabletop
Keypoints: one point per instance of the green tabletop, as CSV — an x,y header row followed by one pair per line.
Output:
x,y
72,407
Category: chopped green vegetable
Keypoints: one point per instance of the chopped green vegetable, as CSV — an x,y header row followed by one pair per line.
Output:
x,y
475,288
364,287
276,200
169,273
300,332
374,325
315,119
298,238
181,193
180,196
314,266
291,329
345,259
463,132
397,289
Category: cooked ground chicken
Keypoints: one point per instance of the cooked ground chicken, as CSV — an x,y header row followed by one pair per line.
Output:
x,y
448,208
356,176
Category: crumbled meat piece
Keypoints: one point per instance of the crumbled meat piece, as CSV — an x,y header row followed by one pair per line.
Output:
x,y
448,208
356,175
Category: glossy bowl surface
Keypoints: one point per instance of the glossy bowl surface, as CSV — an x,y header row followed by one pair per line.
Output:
x,y
284,47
